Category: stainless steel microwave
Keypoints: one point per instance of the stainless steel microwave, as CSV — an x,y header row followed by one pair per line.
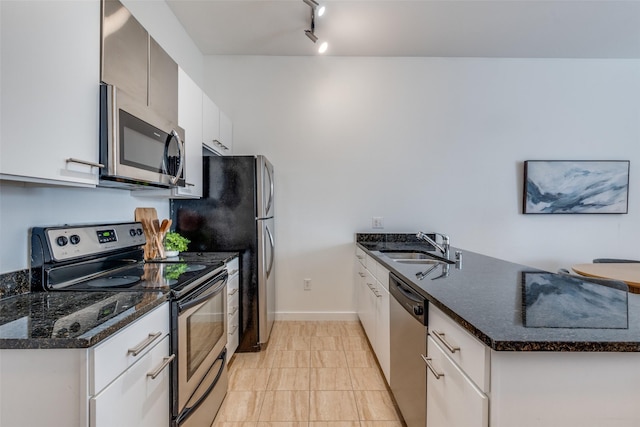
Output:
x,y
137,146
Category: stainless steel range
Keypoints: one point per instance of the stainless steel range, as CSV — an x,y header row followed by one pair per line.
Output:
x,y
109,257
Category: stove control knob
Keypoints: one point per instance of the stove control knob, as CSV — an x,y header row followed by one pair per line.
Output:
x,y
139,231
62,240
418,310
132,232
74,239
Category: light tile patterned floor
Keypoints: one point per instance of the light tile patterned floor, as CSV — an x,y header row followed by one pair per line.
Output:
x,y
312,374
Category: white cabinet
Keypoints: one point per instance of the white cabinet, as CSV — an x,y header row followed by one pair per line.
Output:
x,y
129,375
372,297
226,134
217,129
50,71
110,384
139,397
453,400
210,122
190,119
233,307
457,375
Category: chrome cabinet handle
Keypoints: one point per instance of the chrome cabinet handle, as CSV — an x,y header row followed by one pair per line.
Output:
x,y
234,330
144,344
235,310
232,272
233,292
188,184
165,363
440,336
85,162
361,274
431,368
359,257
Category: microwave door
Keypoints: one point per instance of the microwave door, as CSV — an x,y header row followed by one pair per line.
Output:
x,y
173,158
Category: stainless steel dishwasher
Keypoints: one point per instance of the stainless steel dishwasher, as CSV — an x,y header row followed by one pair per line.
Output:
x,y
408,312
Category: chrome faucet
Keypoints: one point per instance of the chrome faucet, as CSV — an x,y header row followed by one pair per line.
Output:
x,y
444,248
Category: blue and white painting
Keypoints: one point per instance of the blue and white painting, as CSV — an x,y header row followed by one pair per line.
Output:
x,y
563,301
576,187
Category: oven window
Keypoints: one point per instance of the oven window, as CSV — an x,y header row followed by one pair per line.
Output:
x,y
205,328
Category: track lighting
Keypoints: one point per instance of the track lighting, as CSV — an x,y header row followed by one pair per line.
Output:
x,y
311,31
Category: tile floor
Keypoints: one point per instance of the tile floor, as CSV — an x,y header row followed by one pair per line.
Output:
x,y
313,374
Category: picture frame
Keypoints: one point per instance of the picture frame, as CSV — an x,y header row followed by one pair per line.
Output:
x,y
576,187
552,300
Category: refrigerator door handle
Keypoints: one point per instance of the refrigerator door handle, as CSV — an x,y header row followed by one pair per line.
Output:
x,y
270,201
271,251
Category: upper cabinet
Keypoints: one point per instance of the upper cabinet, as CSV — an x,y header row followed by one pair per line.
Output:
x,y
50,67
190,119
226,134
210,123
217,130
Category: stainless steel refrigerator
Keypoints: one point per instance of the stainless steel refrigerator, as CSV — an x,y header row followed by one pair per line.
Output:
x,y
236,213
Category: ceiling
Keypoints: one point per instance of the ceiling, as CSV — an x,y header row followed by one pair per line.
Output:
x,y
447,28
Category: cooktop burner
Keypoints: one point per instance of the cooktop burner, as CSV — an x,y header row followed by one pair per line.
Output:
x,y
113,281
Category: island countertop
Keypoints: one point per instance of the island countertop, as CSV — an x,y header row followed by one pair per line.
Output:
x,y
490,299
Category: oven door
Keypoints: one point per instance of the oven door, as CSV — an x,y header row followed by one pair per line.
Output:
x,y
201,339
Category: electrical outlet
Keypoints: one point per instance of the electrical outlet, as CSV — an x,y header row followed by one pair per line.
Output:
x,y
377,222
307,284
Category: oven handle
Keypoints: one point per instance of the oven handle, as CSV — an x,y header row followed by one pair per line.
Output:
x,y
187,411
204,293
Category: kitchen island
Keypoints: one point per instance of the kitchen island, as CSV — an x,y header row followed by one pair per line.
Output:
x,y
541,353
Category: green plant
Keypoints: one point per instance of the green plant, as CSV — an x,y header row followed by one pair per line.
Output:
x,y
175,242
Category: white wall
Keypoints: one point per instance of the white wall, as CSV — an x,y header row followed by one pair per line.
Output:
x,y
429,144
22,207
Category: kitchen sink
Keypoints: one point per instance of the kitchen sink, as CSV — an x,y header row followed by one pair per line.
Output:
x,y
418,261
415,257
407,256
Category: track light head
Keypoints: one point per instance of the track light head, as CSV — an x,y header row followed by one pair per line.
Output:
x,y
311,36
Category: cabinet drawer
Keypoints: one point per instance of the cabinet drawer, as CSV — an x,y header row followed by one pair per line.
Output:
x,y
136,398
233,267
233,334
452,398
116,354
464,349
382,274
360,255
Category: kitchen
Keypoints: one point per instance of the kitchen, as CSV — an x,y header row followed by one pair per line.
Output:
x,y
388,130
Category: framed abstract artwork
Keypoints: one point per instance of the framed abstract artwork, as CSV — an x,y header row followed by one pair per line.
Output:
x,y
576,187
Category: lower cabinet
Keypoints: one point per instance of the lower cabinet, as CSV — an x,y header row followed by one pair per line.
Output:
x,y
139,397
122,381
372,295
453,400
233,307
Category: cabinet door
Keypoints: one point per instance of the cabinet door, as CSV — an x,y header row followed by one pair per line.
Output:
x,y
190,119
210,123
50,71
452,399
383,331
135,399
359,284
233,307
226,134
369,308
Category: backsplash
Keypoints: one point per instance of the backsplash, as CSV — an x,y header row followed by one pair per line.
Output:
x,y
14,283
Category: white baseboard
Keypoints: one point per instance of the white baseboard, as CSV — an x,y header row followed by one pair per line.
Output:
x,y
317,316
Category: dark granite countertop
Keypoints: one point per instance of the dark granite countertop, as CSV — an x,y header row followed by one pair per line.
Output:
x,y
70,319
79,319
491,299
